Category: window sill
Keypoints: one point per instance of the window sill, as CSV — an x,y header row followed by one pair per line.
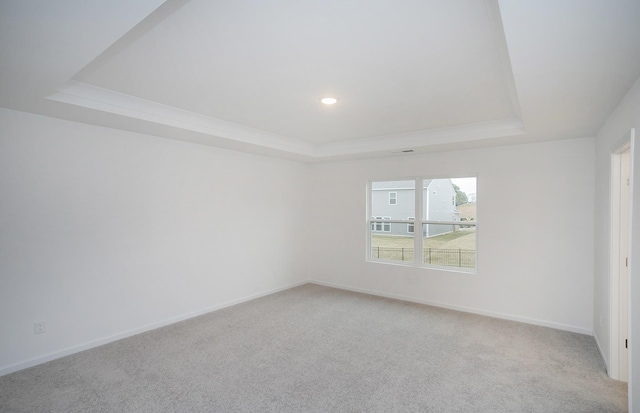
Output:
x,y
457,270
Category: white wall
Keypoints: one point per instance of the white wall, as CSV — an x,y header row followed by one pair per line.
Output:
x,y
535,215
625,117
104,233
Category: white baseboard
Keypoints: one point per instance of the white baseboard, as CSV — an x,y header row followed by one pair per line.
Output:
x,y
551,324
105,340
95,343
605,359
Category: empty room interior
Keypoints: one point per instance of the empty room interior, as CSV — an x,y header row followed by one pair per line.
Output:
x,y
320,206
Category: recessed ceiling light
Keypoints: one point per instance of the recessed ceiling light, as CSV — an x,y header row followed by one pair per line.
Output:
x,y
328,101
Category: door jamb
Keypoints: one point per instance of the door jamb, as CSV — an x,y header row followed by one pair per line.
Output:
x,y
614,252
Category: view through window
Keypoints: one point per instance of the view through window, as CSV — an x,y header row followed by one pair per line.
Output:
x,y
443,234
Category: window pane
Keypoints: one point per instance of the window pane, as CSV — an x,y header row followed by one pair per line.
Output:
x,y
465,200
437,196
449,245
392,248
448,199
411,227
392,200
400,205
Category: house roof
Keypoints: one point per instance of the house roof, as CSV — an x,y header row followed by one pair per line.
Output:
x,y
422,76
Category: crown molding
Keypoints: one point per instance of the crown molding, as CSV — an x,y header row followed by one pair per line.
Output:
x,y
425,138
93,97
104,100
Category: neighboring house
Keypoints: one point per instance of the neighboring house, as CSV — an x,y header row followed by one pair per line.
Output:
x,y
471,198
396,200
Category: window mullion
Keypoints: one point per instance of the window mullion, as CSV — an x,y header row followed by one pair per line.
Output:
x,y
417,228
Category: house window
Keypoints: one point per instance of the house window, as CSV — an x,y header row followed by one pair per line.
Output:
x,y
376,226
379,225
446,232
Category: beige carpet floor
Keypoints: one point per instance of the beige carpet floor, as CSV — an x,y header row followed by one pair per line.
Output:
x,y
317,349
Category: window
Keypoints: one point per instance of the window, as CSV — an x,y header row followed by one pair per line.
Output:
x,y
436,228
378,225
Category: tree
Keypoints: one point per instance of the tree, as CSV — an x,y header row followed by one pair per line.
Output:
x,y
461,197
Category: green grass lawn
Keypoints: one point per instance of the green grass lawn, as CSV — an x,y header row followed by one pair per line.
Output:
x,y
464,238
439,250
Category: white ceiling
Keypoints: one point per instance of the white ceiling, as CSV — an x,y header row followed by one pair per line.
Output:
x,y
425,75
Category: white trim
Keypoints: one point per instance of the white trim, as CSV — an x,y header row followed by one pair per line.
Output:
x,y
632,286
392,189
104,100
614,246
129,333
394,199
423,139
606,362
450,268
92,344
503,316
367,214
614,263
465,223
418,248
395,221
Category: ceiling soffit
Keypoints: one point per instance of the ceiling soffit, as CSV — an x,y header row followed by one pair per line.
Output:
x,y
260,85
409,75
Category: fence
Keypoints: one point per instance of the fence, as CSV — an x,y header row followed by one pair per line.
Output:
x,y
434,256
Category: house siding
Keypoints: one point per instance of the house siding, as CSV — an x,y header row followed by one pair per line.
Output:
x,y
438,206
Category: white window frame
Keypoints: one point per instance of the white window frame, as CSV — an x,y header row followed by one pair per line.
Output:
x,y
417,222
393,198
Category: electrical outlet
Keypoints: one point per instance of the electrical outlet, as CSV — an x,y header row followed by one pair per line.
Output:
x,y
39,327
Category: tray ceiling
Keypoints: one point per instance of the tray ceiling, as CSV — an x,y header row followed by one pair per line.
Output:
x,y
421,75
